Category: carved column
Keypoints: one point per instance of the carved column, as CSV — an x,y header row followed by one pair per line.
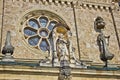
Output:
x,y
64,71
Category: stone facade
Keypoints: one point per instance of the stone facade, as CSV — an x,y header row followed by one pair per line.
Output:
x,y
79,15
1,14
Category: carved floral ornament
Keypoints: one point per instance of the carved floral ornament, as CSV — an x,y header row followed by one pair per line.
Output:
x,y
37,28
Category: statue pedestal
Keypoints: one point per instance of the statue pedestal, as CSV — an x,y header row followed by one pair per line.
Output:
x,y
8,58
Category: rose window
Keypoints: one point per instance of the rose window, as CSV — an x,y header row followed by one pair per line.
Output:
x,y
37,32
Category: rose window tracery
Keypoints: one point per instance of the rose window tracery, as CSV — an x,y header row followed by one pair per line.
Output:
x,y
40,30
37,32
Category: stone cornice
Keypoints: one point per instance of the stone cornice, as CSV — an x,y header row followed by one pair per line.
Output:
x,y
94,5
77,3
55,71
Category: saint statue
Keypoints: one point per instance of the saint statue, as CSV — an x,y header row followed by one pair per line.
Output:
x,y
62,48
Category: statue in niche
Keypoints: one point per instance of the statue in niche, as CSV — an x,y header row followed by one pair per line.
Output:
x,y
62,48
103,42
8,49
66,50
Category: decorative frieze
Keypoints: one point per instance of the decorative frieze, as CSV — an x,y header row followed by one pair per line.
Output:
x,y
98,1
56,2
77,4
95,6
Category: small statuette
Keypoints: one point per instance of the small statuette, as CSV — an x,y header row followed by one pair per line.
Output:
x,y
103,41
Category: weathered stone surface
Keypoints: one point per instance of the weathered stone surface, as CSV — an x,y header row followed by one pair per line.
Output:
x,y
1,7
19,9
88,35
116,15
25,73
14,11
85,17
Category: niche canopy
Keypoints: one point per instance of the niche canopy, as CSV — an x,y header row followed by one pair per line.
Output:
x,y
60,28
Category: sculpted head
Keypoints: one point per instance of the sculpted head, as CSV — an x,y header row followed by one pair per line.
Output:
x,y
99,23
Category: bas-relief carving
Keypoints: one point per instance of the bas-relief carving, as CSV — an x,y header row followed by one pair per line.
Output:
x,y
103,41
